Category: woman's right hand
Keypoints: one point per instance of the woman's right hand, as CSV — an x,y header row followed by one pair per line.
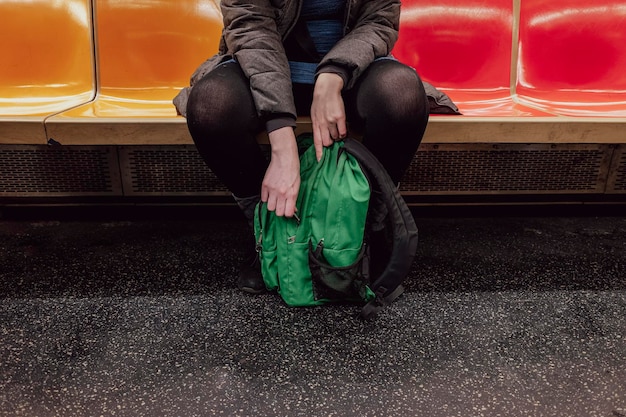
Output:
x,y
282,179
328,114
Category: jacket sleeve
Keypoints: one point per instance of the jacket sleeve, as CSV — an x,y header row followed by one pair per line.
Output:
x,y
251,36
374,35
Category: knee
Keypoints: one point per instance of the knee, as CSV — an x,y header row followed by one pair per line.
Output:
x,y
202,107
403,92
221,103
398,93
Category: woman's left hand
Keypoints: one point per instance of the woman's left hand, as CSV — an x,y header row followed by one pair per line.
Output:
x,y
328,114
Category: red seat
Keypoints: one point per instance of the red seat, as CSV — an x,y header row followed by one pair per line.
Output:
x,y
572,56
463,47
147,50
46,64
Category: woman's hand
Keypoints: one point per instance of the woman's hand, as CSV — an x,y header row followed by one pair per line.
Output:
x,y
328,114
282,179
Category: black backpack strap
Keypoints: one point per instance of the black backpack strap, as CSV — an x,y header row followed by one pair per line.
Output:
x,y
373,307
404,230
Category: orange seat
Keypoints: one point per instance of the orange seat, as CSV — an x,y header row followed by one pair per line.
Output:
x,y
463,47
572,56
47,64
147,50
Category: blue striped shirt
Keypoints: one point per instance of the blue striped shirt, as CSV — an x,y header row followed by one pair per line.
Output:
x,y
324,20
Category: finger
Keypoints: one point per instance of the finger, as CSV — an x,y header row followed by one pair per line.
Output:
x,y
327,140
265,194
324,134
342,128
318,143
271,203
280,207
290,207
333,132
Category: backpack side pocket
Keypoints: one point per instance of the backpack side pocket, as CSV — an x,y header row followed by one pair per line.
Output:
x,y
264,233
340,282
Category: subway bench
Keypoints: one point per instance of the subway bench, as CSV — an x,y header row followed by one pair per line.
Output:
x,y
85,110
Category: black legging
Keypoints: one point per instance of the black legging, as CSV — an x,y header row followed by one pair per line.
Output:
x,y
387,105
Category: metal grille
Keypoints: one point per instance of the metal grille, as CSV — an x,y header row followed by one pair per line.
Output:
x,y
507,169
444,169
167,170
617,183
32,170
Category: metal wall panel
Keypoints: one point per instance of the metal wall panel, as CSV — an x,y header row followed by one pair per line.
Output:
x,y
167,170
438,169
616,183
508,169
58,171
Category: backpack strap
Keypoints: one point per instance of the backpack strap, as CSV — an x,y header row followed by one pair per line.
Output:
x,y
404,230
373,307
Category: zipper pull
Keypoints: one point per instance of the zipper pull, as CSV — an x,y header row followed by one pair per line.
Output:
x,y
318,249
259,243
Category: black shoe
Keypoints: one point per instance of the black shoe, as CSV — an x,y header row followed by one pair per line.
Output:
x,y
250,278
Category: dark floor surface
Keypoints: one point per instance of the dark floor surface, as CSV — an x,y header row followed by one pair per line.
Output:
x,y
503,316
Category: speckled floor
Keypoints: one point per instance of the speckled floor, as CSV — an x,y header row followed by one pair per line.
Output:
x,y
511,316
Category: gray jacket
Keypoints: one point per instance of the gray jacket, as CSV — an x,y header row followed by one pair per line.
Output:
x,y
254,31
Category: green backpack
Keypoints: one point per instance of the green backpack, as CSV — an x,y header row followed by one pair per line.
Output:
x,y
321,255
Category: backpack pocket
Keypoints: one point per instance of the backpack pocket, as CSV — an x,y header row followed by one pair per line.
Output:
x,y
269,269
339,282
266,246
294,276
